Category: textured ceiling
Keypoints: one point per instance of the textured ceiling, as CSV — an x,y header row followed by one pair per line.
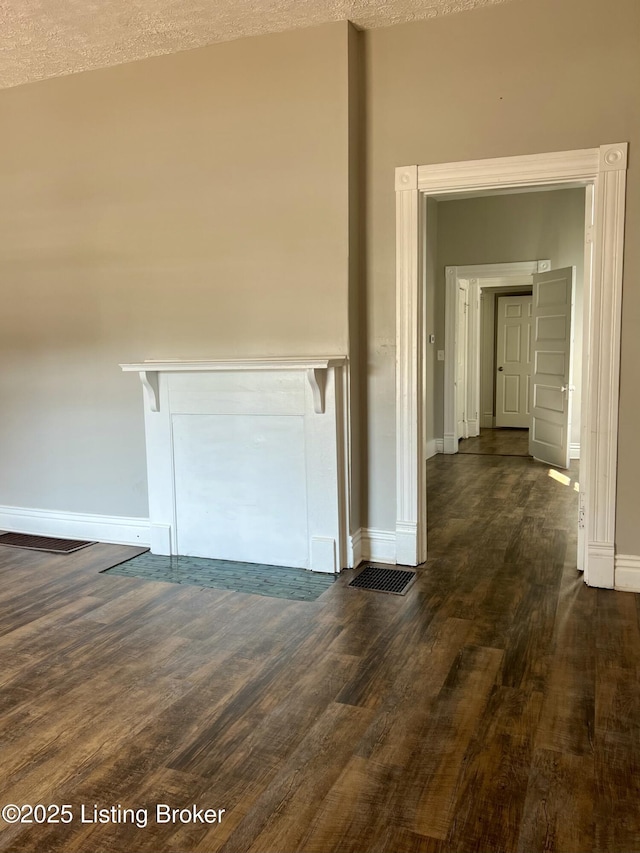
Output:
x,y
49,38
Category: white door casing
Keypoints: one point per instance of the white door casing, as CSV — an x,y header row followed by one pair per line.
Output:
x,y
552,374
462,321
513,361
589,230
604,170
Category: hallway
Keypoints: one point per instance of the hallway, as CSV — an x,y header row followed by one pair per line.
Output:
x,y
498,442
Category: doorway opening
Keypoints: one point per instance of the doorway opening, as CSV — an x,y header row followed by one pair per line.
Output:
x,y
471,342
602,171
495,361
510,340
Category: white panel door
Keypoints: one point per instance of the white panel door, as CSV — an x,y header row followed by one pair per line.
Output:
x,y
551,373
513,361
462,300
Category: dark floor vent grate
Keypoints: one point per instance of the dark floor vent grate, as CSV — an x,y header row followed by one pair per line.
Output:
x,y
395,581
42,543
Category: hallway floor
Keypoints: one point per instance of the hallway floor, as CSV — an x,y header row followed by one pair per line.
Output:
x,y
499,442
495,707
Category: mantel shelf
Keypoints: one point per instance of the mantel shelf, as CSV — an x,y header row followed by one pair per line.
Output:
x,y
316,369
269,363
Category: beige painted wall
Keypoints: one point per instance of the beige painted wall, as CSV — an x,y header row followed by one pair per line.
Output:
x,y
198,205
507,229
193,205
524,77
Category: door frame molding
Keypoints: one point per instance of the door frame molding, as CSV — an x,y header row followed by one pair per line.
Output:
x,y
451,367
479,277
602,168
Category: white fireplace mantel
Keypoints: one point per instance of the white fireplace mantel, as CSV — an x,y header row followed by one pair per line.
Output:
x,y
316,369
248,459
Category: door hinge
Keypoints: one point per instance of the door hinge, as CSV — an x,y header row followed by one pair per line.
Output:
x,y
588,234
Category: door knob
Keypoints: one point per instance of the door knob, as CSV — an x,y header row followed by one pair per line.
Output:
x,y
501,369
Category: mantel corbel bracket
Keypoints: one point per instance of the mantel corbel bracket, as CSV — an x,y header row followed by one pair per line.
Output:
x,y
149,379
317,377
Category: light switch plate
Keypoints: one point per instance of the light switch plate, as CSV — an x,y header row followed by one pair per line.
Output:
x,y
440,355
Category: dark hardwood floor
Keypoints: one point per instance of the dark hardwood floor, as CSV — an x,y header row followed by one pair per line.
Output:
x,y
501,442
495,707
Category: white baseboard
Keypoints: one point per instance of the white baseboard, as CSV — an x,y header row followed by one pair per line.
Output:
x,y
574,450
600,570
75,525
439,445
450,443
486,420
356,549
406,553
376,545
432,447
627,568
